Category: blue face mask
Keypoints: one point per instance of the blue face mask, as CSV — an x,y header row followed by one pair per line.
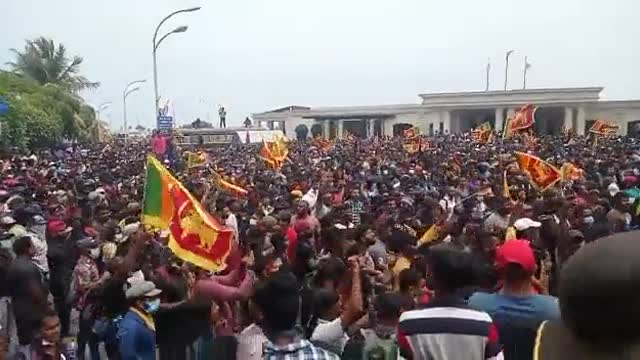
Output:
x,y
152,306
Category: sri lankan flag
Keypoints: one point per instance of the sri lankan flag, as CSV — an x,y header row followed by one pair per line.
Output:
x,y
223,184
568,171
411,132
195,236
274,153
522,119
541,174
195,159
482,133
158,206
412,146
601,127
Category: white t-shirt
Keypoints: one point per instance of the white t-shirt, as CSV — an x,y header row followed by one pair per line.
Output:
x,y
331,333
232,222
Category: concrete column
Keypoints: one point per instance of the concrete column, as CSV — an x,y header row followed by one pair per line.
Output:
x,y
370,127
581,121
325,129
340,129
568,119
499,119
445,118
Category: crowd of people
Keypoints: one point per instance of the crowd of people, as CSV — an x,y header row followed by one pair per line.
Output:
x,y
353,249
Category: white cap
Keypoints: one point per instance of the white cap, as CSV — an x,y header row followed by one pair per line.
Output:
x,y
613,189
7,220
525,223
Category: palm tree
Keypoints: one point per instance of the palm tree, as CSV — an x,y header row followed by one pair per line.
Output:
x,y
47,63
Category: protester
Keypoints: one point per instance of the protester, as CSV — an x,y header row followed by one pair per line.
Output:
x,y
446,328
459,219
137,329
279,303
598,300
517,308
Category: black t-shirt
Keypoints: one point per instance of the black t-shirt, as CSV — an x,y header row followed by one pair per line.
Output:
x,y
113,299
21,275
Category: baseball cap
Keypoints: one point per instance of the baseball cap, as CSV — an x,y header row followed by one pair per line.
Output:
x,y
516,252
525,223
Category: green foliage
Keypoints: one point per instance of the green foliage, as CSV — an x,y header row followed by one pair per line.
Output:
x,y
34,118
42,93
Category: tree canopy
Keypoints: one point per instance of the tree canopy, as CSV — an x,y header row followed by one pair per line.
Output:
x,y
42,92
46,63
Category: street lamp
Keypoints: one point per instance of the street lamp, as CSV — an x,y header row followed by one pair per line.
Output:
x,y
101,107
128,90
156,43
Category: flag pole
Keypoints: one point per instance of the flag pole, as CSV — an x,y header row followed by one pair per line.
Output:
x,y
524,76
506,68
488,71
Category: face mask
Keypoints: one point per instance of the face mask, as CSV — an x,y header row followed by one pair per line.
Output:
x,y
94,253
589,220
152,306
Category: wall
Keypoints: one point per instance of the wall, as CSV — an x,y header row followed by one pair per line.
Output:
x,y
619,116
419,119
291,122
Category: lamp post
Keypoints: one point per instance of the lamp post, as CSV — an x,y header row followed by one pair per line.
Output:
x,y
506,68
101,107
128,90
157,43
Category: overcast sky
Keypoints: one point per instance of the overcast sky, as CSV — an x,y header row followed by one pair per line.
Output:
x,y
256,55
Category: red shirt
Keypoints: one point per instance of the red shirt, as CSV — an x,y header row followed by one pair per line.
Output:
x,y
292,239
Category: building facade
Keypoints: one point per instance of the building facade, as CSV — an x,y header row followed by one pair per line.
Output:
x,y
558,109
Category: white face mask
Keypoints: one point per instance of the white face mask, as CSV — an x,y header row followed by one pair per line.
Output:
x,y
94,253
589,220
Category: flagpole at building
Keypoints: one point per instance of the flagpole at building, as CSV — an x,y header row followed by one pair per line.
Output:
x,y
524,75
506,68
488,71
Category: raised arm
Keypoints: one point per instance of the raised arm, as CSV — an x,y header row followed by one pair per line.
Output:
x,y
211,289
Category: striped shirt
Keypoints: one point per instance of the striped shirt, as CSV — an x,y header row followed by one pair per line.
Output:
x,y
447,329
299,350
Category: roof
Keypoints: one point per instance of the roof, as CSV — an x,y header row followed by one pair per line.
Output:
x,y
545,96
289,108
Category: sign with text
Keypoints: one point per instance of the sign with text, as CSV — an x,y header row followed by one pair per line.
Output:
x,y
164,122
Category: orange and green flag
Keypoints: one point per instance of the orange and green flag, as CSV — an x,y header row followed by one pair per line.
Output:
x,y
196,236
158,206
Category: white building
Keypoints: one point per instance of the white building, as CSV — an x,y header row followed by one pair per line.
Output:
x,y
558,109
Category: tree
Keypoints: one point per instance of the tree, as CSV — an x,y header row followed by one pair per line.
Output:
x,y
34,117
46,63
